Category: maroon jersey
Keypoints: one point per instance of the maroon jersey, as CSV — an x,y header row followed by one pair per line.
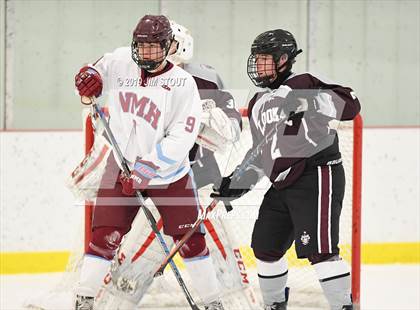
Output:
x,y
294,135
209,86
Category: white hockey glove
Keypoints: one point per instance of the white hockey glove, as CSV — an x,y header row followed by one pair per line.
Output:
x,y
84,181
224,125
217,129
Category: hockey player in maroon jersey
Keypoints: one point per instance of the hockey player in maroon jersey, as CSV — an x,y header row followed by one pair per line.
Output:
x,y
220,122
155,124
294,146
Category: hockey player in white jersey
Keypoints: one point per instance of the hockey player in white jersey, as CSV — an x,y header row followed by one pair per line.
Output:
x,y
155,113
221,121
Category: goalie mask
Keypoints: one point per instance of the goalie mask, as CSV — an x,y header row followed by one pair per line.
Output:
x,y
263,63
152,39
183,44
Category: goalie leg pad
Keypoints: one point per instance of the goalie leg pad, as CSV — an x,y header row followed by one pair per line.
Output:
x,y
203,276
194,247
200,267
105,241
92,274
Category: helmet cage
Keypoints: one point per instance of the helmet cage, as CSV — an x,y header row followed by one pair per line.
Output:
x,y
149,64
252,70
151,29
276,49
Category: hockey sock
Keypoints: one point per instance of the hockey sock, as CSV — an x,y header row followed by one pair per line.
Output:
x,y
272,277
203,276
92,274
334,277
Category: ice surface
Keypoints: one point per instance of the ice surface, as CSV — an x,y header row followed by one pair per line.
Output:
x,y
383,287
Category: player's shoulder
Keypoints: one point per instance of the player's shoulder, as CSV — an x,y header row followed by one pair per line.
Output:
x,y
123,50
306,80
120,54
178,71
205,73
179,74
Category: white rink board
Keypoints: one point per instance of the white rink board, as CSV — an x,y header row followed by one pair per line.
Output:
x,y
36,205
38,212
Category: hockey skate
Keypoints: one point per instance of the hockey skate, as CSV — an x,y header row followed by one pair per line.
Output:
x,y
84,303
277,306
215,305
348,307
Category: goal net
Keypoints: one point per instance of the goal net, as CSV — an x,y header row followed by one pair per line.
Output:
x,y
235,229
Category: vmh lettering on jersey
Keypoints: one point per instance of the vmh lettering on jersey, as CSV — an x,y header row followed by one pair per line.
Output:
x,y
142,107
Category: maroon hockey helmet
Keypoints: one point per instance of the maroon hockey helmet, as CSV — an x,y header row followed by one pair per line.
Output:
x,y
151,29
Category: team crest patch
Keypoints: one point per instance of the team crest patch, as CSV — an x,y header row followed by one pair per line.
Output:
x,y
113,238
305,238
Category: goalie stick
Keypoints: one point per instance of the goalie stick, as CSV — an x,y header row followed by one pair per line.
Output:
x,y
187,236
149,216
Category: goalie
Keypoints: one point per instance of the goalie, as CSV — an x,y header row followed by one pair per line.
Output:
x,y
220,121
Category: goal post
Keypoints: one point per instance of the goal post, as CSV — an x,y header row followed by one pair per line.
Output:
x,y
357,208
89,139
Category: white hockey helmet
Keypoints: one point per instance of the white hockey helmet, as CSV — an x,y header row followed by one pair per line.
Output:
x,y
184,51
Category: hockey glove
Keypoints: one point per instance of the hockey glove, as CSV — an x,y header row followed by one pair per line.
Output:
x,y
231,189
127,185
88,82
140,177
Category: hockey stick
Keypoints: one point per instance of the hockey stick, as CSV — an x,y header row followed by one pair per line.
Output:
x,y
213,204
149,216
237,174
299,110
254,154
185,238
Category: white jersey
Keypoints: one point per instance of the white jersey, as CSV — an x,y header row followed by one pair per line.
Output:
x,y
155,117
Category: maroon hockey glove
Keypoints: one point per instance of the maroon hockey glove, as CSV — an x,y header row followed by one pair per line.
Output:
x,y
140,177
127,185
88,82
142,173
